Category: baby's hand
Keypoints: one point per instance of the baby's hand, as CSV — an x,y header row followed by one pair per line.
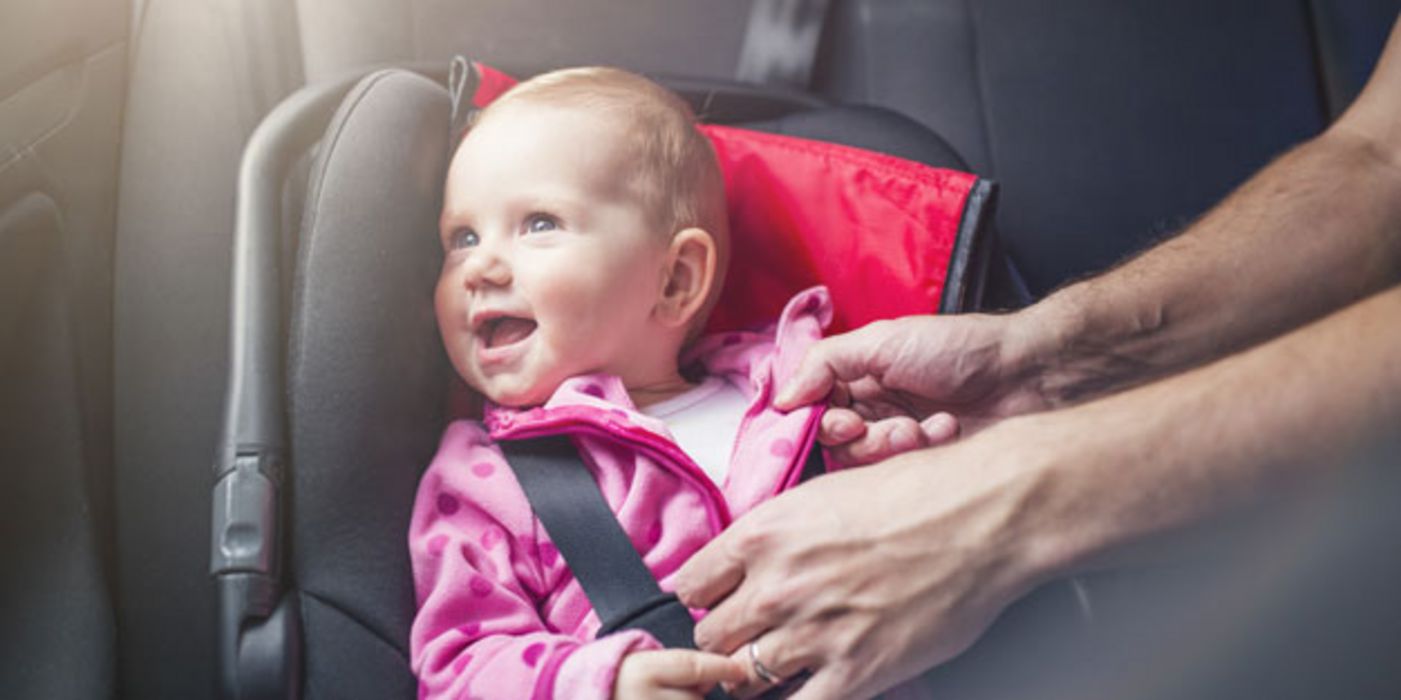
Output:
x,y
674,673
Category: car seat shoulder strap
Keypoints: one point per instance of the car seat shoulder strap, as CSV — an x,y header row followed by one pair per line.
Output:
x,y
568,503
587,534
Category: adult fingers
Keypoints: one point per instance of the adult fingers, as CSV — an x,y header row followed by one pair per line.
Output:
x,y
665,693
827,683
744,615
710,574
759,601
674,694
885,438
882,439
840,426
841,395
939,428
842,357
783,655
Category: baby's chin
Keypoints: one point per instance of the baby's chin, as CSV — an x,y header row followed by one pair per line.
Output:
x,y
517,397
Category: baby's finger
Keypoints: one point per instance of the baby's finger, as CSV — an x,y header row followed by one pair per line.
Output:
x,y
697,670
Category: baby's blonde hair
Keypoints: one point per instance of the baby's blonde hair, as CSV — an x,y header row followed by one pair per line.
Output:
x,y
677,169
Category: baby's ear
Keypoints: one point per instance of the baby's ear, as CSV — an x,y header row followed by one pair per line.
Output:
x,y
691,264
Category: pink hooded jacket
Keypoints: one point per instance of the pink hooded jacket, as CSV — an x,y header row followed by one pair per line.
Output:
x,y
500,615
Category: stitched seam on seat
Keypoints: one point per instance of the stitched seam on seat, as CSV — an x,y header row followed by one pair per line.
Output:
x,y
374,634
311,205
328,145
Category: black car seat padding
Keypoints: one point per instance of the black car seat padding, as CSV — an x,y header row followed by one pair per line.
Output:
x,y
1108,124
366,378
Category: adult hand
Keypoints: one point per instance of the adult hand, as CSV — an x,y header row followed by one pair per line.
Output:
x,y
918,381
866,592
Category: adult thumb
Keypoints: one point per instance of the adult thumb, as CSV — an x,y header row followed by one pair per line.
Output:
x,y
843,357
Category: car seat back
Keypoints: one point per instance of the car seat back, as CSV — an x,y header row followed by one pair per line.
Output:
x,y
1108,124
320,604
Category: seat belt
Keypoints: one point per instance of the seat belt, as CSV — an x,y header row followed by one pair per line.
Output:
x,y
781,41
587,534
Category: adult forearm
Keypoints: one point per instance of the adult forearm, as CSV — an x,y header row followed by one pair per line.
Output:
x,y
904,563
1314,231
1116,471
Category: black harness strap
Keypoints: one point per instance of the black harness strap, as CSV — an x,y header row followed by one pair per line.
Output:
x,y
568,503
618,584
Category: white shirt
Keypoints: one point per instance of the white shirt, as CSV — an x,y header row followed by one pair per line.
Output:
x,y
705,421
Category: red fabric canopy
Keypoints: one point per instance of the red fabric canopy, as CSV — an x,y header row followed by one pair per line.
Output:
x,y
879,231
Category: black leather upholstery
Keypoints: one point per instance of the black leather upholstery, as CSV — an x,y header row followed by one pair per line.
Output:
x,y
1107,123
57,632
367,380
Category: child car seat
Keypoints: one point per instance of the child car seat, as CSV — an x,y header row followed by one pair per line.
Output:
x,y
337,380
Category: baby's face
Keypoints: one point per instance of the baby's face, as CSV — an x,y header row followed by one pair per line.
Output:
x,y
552,267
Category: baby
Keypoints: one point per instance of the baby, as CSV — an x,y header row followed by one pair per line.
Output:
x,y
585,237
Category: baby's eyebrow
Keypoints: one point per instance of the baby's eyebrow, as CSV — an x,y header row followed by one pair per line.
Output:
x,y
453,216
548,202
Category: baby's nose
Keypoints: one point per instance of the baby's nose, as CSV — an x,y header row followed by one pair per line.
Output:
x,y
488,266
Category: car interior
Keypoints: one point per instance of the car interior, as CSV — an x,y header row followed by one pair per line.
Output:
x,y
175,173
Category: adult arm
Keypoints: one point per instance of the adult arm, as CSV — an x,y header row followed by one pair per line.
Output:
x,y
872,575
869,590
1314,231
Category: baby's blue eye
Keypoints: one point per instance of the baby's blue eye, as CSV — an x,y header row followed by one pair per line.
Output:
x,y
538,223
464,238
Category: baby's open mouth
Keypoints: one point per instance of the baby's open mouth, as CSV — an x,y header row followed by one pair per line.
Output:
x,y
505,330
